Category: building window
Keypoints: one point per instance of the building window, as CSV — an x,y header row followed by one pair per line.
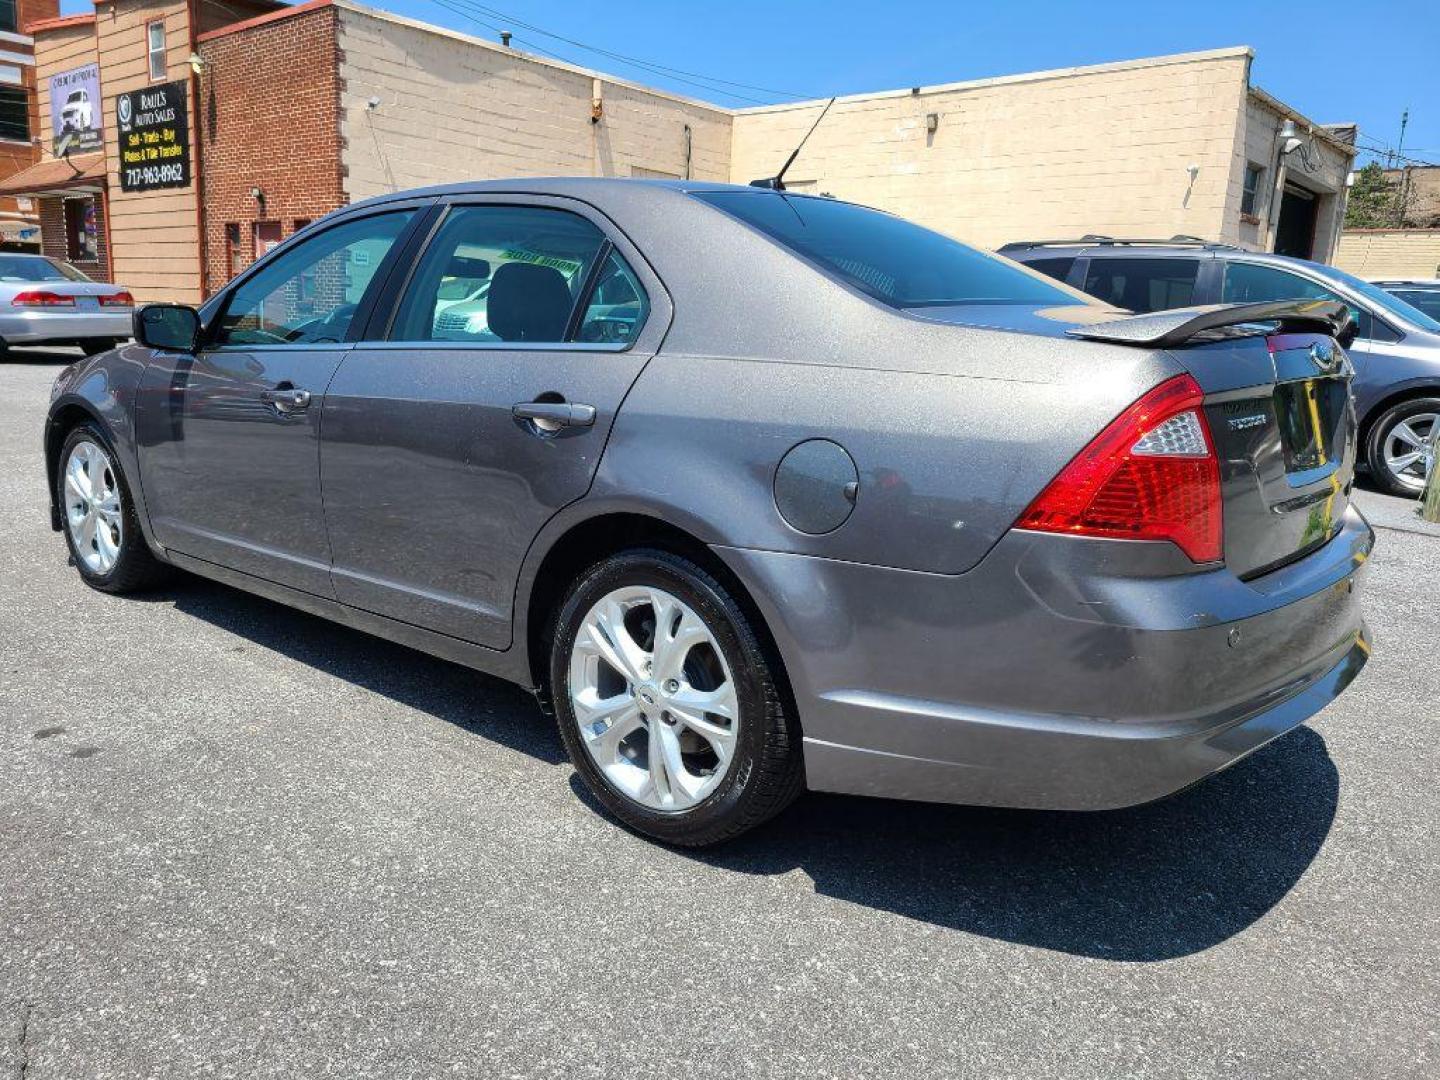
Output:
x,y
82,238
234,253
155,42
14,114
1250,197
8,20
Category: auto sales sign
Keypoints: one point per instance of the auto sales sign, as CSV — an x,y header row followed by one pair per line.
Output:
x,y
154,137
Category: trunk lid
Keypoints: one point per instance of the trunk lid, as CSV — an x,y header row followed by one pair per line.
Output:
x,y
1280,412
1287,447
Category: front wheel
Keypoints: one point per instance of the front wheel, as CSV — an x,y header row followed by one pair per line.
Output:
x,y
667,703
1398,450
101,528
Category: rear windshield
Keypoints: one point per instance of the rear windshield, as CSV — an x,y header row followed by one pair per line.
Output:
x,y
891,259
36,268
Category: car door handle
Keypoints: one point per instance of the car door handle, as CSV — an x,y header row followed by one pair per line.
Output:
x,y
286,399
554,414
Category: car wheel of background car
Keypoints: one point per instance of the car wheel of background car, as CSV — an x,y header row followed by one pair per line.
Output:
x,y
1397,450
667,702
101,529
91,346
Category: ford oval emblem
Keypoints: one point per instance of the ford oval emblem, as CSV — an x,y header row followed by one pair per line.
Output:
x,y
1323,353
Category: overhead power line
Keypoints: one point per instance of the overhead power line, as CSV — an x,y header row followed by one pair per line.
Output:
x,y
483,14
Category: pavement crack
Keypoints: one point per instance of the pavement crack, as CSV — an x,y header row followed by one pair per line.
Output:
x,y
22,1048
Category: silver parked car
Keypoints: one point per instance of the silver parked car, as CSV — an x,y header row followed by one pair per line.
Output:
x,y
44,301
757,492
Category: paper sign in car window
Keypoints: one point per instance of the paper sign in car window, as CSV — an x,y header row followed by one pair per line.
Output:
x,y
568,267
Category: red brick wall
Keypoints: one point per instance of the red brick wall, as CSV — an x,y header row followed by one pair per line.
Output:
x,y
15,156
269,117
55,242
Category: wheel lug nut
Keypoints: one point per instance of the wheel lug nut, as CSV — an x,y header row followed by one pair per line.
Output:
x,y
671,685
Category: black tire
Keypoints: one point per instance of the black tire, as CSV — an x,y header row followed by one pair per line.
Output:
x,y
135,568
1380,432
766,772
91,346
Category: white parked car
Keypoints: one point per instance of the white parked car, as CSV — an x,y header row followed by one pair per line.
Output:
x,y
77,113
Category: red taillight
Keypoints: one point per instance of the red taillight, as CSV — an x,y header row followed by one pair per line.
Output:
x,y
1151,475
41,298
119,299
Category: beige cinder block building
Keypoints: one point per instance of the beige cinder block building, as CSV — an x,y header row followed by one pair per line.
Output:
x,y
421,104
1144,148
1390,253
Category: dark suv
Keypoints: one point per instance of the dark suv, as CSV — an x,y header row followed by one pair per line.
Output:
x,y
1396,353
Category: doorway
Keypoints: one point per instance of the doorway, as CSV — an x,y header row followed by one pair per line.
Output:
x,y
1295,231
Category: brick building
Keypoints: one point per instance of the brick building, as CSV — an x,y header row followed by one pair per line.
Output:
x,y
19,117
226,125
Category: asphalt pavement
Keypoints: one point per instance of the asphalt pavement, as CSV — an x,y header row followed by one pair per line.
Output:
x,y
239,841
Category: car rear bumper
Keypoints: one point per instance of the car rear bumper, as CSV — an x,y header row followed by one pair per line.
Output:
x,y
22,327
1042,678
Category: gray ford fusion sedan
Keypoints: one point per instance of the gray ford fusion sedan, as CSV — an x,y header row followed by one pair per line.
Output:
x,y
757,491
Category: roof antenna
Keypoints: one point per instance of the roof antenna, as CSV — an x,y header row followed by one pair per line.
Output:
x,y
777,182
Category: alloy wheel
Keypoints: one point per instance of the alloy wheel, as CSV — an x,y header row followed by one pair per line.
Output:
x,y
92,507
654,698
1407,450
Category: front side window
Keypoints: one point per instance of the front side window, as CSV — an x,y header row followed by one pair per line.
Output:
x,y
1250,194
14,114
499,274
1424,300
155,49
1253,283
1143,285
888,258
309,294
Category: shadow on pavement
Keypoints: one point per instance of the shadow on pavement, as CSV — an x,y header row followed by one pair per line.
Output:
x,y
40,354
489,707
1150,883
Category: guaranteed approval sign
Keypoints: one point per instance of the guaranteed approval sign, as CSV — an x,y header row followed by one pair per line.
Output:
x,y
154,128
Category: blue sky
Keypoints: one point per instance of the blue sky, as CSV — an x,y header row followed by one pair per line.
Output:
x,y
1363,61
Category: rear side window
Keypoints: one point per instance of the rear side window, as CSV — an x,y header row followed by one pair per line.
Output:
x,y
888,258
1059,269
498,274
1143,285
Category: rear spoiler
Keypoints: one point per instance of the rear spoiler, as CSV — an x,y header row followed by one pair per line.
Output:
x,y
1167,329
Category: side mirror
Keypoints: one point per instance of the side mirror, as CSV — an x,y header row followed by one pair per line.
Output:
x,y
172,327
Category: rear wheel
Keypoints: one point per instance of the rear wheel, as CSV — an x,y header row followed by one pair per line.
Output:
x,y
1398,450
101,528
666,701
91,346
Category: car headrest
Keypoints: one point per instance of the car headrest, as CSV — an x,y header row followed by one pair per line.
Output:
x,y
528,303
